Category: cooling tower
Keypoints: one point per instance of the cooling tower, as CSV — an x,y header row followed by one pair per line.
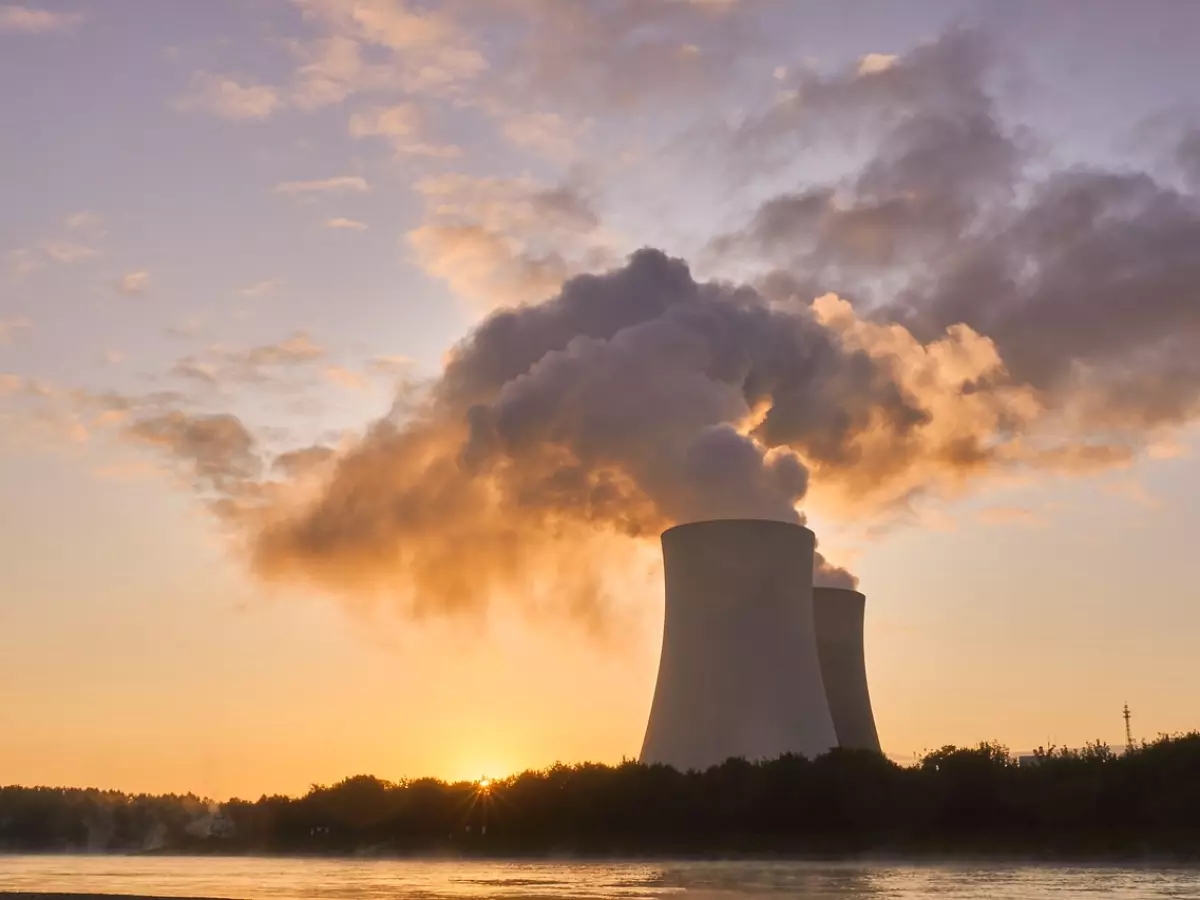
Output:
x,y
739,673
838,616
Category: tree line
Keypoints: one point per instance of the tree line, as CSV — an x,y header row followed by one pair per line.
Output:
x,y
1090,802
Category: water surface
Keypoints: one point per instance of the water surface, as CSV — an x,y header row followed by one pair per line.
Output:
x,y
256,878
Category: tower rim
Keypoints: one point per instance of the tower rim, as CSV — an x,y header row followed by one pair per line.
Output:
x,y
735,520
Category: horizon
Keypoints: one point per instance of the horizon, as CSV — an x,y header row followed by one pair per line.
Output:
x,y
354,354
486,782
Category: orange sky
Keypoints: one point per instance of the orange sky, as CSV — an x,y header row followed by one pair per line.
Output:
x,y
284,215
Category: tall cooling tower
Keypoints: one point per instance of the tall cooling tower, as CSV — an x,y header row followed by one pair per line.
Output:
x,y
739,674
838,615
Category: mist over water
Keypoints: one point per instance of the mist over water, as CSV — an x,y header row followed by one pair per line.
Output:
x,y
267,879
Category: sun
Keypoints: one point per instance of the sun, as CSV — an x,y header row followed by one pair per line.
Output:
x,y
478,770
484,784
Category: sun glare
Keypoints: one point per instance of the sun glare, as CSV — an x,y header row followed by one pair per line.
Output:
x,y
479,770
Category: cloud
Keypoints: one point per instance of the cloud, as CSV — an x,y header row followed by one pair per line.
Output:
x,y
428,51
355,184
499,241
1187,154
67,252
580,57
128,471
388,23
392,122
9,327
627,402
344,378
227,368
519,204
216,451
402,126
1134,491
11,384
260,289
332,70
25,260
874,63
1010,515
1083,279
1089,291
639,398
222,96
423,52
942,316
547,134
41,415
114,357
554,63
937,88
488,268
390,366
134,284
826,574
433,151
296,349
84,221
190,327
31,20
1167,448
346,224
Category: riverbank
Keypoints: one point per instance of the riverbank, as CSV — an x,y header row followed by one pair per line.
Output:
x,y
957,802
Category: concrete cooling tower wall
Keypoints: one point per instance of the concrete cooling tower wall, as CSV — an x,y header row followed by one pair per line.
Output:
x,y
739,674
838,616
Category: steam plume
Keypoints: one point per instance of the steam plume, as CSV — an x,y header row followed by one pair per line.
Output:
x,y
994,322
631,401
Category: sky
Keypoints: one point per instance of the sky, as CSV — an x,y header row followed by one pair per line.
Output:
x,y
353,353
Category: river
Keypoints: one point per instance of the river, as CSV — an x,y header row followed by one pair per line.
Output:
x,y
257,878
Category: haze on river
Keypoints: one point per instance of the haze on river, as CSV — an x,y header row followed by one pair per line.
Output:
x,y
274,879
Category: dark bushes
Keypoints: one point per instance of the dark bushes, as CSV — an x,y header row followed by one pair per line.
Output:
x,y
975,800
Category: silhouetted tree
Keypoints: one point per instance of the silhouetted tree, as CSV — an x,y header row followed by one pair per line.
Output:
x,y
978,798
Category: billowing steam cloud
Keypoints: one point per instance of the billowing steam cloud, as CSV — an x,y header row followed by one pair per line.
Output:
x,y
631,401
995,323
1086,281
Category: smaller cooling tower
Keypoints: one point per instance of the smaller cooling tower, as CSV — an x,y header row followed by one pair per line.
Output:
x,y
739,674
838,616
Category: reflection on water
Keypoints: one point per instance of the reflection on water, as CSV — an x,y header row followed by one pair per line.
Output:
x,y
268,879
